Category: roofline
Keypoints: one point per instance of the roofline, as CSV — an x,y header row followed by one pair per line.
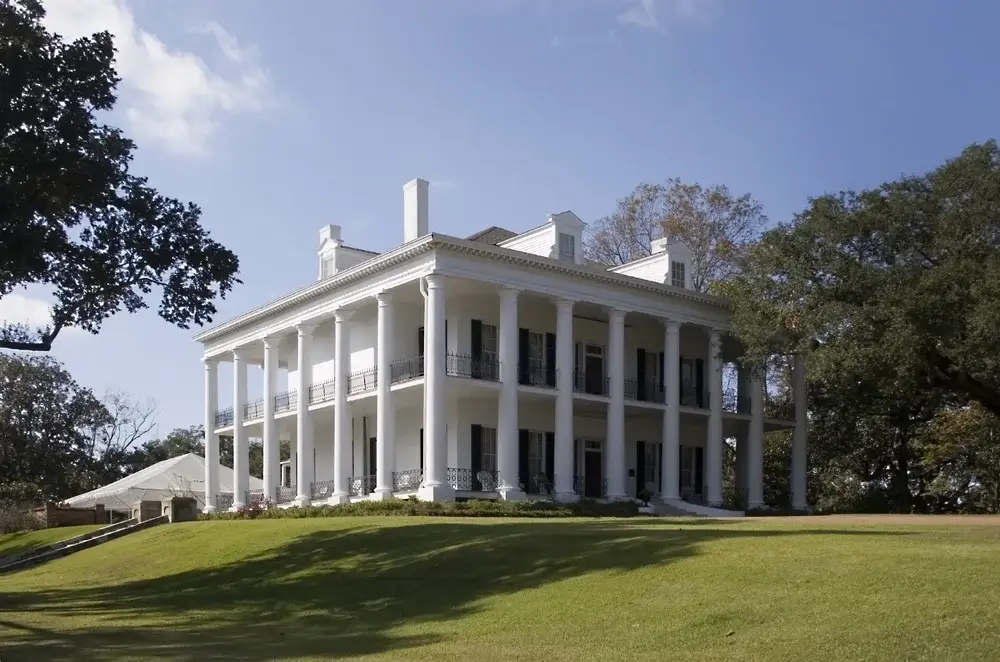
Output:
x,y
433,241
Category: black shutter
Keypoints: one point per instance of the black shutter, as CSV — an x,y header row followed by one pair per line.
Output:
x,y
477,455
680,376
523,362
661,373
550,458
550,359
640,466
421,449
699,381
522,459
680,463
659,466
640,374
699,469
477,340
373,457
420,341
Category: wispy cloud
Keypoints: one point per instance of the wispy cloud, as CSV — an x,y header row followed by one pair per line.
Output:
x,y
658,14
170,97
29,311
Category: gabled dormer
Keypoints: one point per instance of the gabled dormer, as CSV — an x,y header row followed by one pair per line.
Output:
x,y
560,238
334,256
669,263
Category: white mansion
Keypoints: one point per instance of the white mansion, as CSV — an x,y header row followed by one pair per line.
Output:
x,y
493,366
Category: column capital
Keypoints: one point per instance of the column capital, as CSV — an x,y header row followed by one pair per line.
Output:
x,y
270,342
508,291
434,281
239,354
565,304
383,298
341,315
305,329
211,363
671,326
616,314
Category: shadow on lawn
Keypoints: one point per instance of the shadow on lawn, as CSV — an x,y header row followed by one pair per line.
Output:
x,y
340,593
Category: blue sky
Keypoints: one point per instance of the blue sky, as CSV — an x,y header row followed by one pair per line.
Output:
x,y
277,122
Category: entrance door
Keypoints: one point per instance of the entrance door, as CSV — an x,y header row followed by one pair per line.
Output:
x,y
372,456
593,473
593,368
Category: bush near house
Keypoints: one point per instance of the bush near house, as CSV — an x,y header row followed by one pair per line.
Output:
x,y
471,508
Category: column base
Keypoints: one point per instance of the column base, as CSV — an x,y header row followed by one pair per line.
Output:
x,y
511,494
618,497
237,507
567,497
435,493
302,501
208,510
667,499
338,500
381,495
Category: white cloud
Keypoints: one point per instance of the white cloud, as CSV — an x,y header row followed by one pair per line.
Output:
x,y
171,97
21,309
657,14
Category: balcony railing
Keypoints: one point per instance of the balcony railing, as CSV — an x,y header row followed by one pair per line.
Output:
x,y
322,392
286,494
402,370
253,410
593,384
359,486
224,417
693,398
537,374
463,365
536,484
285,401
407,480
362,381
321,489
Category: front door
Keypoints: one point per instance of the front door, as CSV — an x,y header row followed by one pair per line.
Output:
x,y
372,456
593,472
594,370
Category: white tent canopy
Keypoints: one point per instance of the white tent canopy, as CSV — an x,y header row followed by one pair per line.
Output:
x,y
183,475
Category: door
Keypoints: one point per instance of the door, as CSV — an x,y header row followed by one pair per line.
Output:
x,y
593,367
593,475
372,457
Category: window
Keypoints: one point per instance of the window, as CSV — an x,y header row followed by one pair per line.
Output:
x,y
536,454
490,346
650,466
326,266
536,357
489,455
677,274
687,467
653,370
567,247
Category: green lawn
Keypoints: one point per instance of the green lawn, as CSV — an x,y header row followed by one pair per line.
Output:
x,y
409,588
15,544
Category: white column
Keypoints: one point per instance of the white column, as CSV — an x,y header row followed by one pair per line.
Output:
x,y
713,451
672,414
507,410
303,423
616,408
564,469
211,438
755,439
272,455
799,443
341,409
435,486
241,449
385,415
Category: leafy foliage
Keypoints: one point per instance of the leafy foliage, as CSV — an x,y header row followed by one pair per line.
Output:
x,y
72,216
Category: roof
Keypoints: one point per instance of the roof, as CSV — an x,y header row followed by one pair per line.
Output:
x,y
431,242
492,235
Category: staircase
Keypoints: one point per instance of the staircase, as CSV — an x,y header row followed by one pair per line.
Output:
x,y
681,508
69,546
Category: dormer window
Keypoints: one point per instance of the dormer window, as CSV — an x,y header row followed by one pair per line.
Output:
x,y
327,266
567,247
677,274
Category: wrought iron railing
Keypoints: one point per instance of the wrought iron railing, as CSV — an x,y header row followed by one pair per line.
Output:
x,y
285,401
255,498
362,381
464,365
253,410
591,384
631,388
224,501
535,374
321,489
693,398
286,494
459,479
359,486
536,484
402,370
224,417
322,392
407,480
486,480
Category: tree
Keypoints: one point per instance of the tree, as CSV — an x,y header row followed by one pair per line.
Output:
x,y
892,290
73,219
112,438
713,223
45,424
961,449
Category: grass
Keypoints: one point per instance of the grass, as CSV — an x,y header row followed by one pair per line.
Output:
x,y
15,544
499,589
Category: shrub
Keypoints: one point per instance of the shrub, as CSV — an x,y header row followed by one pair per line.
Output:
x,y
16,517
470,508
